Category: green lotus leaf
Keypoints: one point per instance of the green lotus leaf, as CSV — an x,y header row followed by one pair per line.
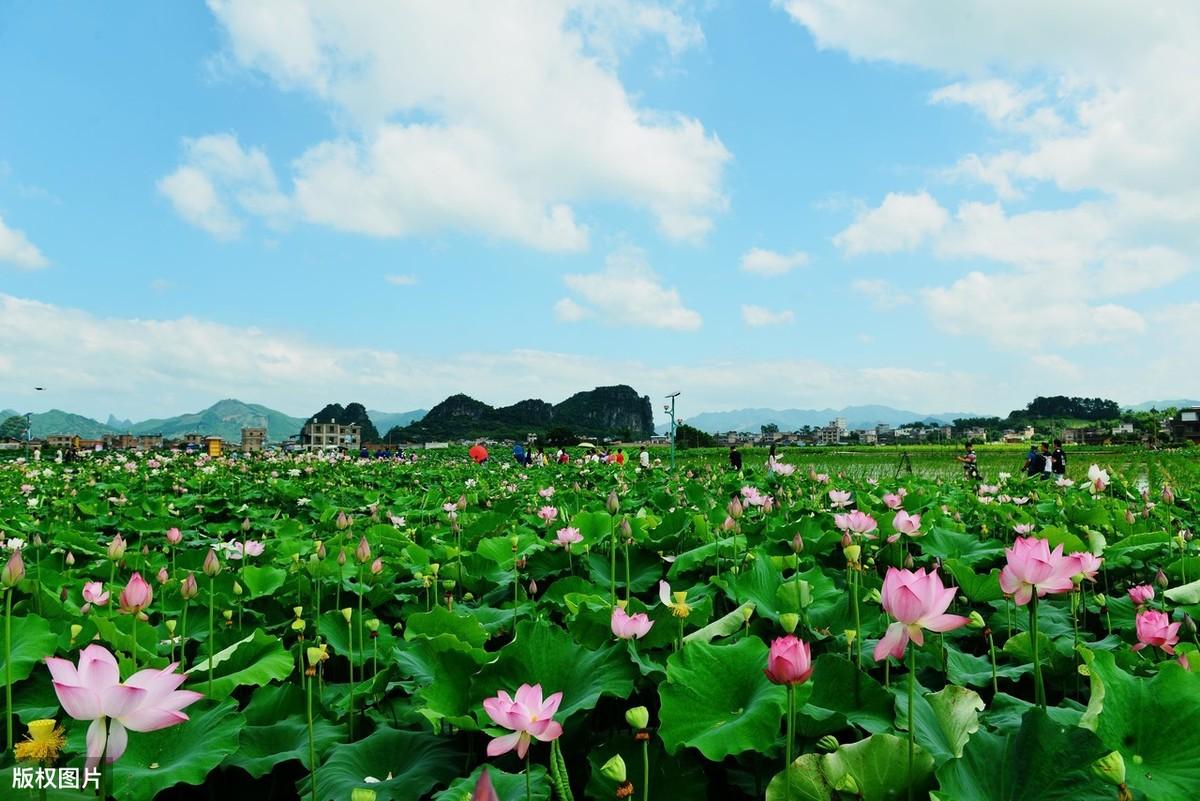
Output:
x,y
406,765
254,660
877,769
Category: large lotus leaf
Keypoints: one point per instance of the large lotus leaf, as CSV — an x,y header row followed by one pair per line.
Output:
x,y
876,769
337,632
967,548
758,585
508,786
843,694
262,581
645,570
596,527
181,754
1186,594
977,588
448,695
944,720
416,763
1007,713
254,660
680,777
717,699
807,781
1152,722
460,631
32,641
277,730
544,654
964,668
1042,761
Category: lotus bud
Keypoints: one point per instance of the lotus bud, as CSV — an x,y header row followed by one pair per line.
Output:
x,y
245,524
363,552
341,559
789,621
188,588
461,503
237,588
347,613
70,560
174,536
37,540
614,770
212,565
637,717
1160,578
728,525
846,541
828,744
377,566
975,620
171,624
342,522
612,504
908,562
228,615
320,550
625,529
1189,624
1111,768
1129,518
116,548
797,544
734,507
533,586
162,576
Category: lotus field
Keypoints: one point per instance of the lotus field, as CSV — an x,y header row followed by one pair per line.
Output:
x,y
326,628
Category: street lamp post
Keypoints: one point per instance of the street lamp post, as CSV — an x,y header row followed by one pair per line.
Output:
x,y
671,410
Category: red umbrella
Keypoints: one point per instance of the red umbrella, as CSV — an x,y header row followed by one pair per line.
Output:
x,y
478,453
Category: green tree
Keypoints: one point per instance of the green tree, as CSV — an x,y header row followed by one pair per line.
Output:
x,y
15,427
688,437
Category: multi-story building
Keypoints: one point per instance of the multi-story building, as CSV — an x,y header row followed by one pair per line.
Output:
x,y
1186,424
253,439
331,434
193,441
62,441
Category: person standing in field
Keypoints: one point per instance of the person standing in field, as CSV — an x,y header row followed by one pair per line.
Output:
x,y
1032,465
1047,462
1059,460
735,458
644,458
970,462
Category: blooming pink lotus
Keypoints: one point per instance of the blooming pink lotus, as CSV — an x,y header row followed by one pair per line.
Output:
x,y
240,550
1033,567
1089,564
856,522
1142,594
528,716
548,513
1023,529
136,596
148,701
892,500
1154,628
840,499
94,595
904,523
546,492
789,662
568,536
916,601
630,627
1097,479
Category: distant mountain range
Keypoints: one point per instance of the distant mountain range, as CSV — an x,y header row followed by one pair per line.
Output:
x,y
857,417
224,419
1163,404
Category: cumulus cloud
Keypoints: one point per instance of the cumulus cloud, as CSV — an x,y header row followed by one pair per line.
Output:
x,y
771,263
217,180
495,118
901,222
16,249
569,311
880,293
628,292
757,316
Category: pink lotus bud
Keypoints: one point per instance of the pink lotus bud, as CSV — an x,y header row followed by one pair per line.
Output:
x,y
908,562
728,525
846,539
612,504
789,661
363,552
1141,594
532,587
188,588
341,559
1168,494
343,522
162,576
116,548
1129,518
1160,578
797,544
734,508
94,594
462,502
137,595
174,536
320,550
625,529
13,571
245,524
377,566
70,560
212,565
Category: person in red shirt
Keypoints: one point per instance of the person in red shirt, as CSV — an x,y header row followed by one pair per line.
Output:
x,y
620,456
478,453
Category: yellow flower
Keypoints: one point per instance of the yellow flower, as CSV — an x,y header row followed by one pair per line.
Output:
x,y
676,601
43,743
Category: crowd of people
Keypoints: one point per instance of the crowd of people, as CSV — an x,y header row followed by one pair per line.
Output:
x,y
537,457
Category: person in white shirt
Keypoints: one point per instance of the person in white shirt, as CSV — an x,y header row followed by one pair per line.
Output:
x,y
644,458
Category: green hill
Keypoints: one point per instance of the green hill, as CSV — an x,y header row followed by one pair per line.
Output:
x,y
223,419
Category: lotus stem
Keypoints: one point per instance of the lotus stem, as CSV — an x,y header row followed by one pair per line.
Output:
x,y
212,633
8,717
912,731
791,725
312,744
1038,689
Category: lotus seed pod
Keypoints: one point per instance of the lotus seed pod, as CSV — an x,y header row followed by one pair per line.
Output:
x,y
614,769
171,624
347,613
789,621
637,717
828,744
1111,767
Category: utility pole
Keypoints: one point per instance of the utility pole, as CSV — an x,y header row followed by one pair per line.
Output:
x,y
671,410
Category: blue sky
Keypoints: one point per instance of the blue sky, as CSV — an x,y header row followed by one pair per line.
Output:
x,y
790,204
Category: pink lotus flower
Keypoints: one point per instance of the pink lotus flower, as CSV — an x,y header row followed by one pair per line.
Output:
x,y
904,523
1089,565
859,523
820,478
136,596
450,507
789,662
94,595
630,627
546,492
780,468
916,601
148,701
13,570
116,548
1156,629
839,499
892,500
188,588
1023,529
174,536
752,496
1033,567
1142,594
548,514
527,716
1097,479
162,576
362,551
239,549
568,536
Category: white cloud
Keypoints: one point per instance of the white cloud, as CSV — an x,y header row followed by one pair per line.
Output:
x,y
218,175
405,279
16,249
901,222
880,293
569,311
627,292
757,316
1056,365
771,263
497,118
